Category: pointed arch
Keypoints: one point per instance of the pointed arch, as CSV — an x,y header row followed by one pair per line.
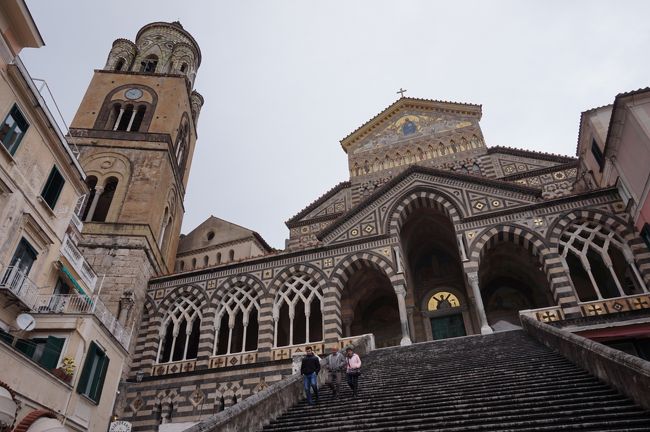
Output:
x,y
237,304
357,261
362,299
180,331
417,198
558,281
181,309
298,305
636,245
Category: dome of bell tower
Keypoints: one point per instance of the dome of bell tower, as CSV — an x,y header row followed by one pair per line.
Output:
x,y
159,48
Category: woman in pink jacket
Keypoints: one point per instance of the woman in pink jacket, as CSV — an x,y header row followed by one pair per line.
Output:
x,y
353,370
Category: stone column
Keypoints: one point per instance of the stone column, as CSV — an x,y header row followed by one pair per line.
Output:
x,y
400,291
478,302
126,304
91,210
410,311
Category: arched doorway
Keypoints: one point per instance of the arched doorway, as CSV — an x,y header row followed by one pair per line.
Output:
x,y
446,310
369,305
511,279
432,262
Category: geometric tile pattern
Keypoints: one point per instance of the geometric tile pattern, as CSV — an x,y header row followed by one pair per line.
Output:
x,y
618,305
232,360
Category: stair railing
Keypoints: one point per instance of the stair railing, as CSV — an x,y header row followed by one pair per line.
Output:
x,y
628,374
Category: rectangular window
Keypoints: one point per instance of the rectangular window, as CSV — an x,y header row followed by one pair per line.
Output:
x,y
13,129
598,154
93,373
45,351
53,187
20,265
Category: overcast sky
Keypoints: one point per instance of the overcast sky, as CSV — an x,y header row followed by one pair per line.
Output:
x,y
284,81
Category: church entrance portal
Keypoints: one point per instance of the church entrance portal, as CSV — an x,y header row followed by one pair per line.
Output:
x,y
434,273
369,305
511,280
447,326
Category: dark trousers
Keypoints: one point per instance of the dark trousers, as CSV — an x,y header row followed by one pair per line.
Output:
x,y
353,382
310,382
334,381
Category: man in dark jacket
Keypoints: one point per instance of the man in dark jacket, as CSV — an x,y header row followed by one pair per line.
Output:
x,y
309,369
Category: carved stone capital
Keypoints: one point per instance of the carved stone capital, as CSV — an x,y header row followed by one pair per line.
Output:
x,y
473,278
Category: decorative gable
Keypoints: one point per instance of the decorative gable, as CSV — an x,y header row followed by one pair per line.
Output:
x,y
336,204
411,125
467,196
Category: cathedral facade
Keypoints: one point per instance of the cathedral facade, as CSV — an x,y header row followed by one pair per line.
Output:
x,y
434,235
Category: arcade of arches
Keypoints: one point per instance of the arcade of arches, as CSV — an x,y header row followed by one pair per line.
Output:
x,y
431,297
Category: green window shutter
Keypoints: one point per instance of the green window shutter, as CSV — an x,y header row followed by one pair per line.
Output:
x,y
85,371
50,357
98,385
52,188
6,337
26,347
91,381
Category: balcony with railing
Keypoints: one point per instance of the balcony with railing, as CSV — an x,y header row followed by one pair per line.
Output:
x,y
15,284
81,266
77,304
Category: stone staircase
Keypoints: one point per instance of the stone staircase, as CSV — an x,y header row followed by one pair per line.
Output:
x,y
500,382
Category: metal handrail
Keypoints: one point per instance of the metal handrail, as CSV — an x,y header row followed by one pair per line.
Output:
x,y
77,304
16,281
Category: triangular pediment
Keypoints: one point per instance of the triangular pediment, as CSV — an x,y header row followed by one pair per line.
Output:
x,y
408,119
331,203
470,197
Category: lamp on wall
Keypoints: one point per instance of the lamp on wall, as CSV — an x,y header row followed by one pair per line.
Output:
x,y
8,408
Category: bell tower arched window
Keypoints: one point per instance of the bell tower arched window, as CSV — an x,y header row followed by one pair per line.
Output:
x,y
298,312
149,64
119,64
236,322
123,120
126,118
137,119
91,182
182,146
600,263
105,200
180,331
127,108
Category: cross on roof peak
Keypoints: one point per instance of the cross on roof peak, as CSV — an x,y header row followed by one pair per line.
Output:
x,y
401,92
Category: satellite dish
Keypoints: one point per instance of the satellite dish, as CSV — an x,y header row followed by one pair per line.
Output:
x,y
25,321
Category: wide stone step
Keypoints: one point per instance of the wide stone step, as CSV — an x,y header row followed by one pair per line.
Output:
x,y
566,421
310,416
330,409
500,382
469,388
373,403
487,377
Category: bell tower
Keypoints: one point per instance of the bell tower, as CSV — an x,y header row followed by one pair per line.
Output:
x,y
136,132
